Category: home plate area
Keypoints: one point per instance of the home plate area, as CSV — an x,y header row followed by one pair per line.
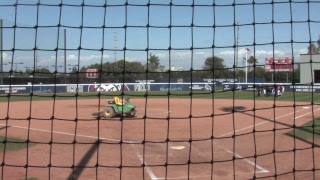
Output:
x,y
171,161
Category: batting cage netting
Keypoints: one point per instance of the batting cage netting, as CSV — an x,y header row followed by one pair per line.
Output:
x,y
159,89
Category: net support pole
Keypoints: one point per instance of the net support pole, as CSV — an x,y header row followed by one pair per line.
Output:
x,y
65,56
1,56
246,66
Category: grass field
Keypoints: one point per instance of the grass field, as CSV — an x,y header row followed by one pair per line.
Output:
x,y
244,95
308,130
13,144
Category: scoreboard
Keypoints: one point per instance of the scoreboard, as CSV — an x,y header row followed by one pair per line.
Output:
x,y
92,73
279,64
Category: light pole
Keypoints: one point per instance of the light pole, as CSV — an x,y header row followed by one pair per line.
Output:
x,y
16,65
73,65
1,57
56,67
65,56
237,44
43,66
28,68
71,68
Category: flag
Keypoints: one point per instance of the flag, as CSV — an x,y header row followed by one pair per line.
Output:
x,y
248,50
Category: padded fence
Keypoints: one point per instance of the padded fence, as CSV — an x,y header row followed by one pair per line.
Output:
x,y
189,130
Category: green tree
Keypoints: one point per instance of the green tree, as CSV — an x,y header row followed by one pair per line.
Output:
x,y
252,61
73,70
43,70
153,63
257,72
215,67
130,70
28,71
119,70
313,48
215,63
38,72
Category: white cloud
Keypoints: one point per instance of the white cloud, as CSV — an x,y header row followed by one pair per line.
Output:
x,y
50,61
178,58
183,59
131,59
227,53
260,55
71,57
5,56
161,55
300,51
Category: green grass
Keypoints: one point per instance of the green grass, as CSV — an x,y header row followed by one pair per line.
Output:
x,y
32,178
13,144
244,95
307,130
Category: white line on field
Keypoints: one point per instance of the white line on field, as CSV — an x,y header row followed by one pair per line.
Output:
x,y
262,170
148,169
258,124
185,177
69,134
194,177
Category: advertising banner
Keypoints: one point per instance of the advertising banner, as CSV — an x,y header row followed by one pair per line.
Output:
x,y
105,87
254,87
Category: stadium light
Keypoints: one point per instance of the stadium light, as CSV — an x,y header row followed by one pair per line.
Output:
x,y
56,66
28,67
16,65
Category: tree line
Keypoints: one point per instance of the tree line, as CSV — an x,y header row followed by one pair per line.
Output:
x,y
213,67
125,71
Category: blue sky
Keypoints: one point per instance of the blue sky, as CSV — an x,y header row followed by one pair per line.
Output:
x,y
136,37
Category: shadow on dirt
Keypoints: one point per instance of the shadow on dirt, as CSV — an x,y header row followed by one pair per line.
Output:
x,y
236,108
80,167
86,105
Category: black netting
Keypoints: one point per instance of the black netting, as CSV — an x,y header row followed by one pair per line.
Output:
x,y
209,106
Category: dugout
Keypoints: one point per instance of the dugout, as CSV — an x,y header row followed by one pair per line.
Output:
x,y
309,72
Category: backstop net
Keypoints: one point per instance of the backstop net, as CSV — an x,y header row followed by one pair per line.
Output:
x,y
208,89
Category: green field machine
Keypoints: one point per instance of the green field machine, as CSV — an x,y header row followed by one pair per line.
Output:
x,y
117,107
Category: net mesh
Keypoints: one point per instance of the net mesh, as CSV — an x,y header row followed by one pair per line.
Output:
x,y
187,134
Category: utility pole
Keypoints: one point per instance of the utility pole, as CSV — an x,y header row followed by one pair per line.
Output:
x,y
36,60
1,52
115,45
237,48
65,56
